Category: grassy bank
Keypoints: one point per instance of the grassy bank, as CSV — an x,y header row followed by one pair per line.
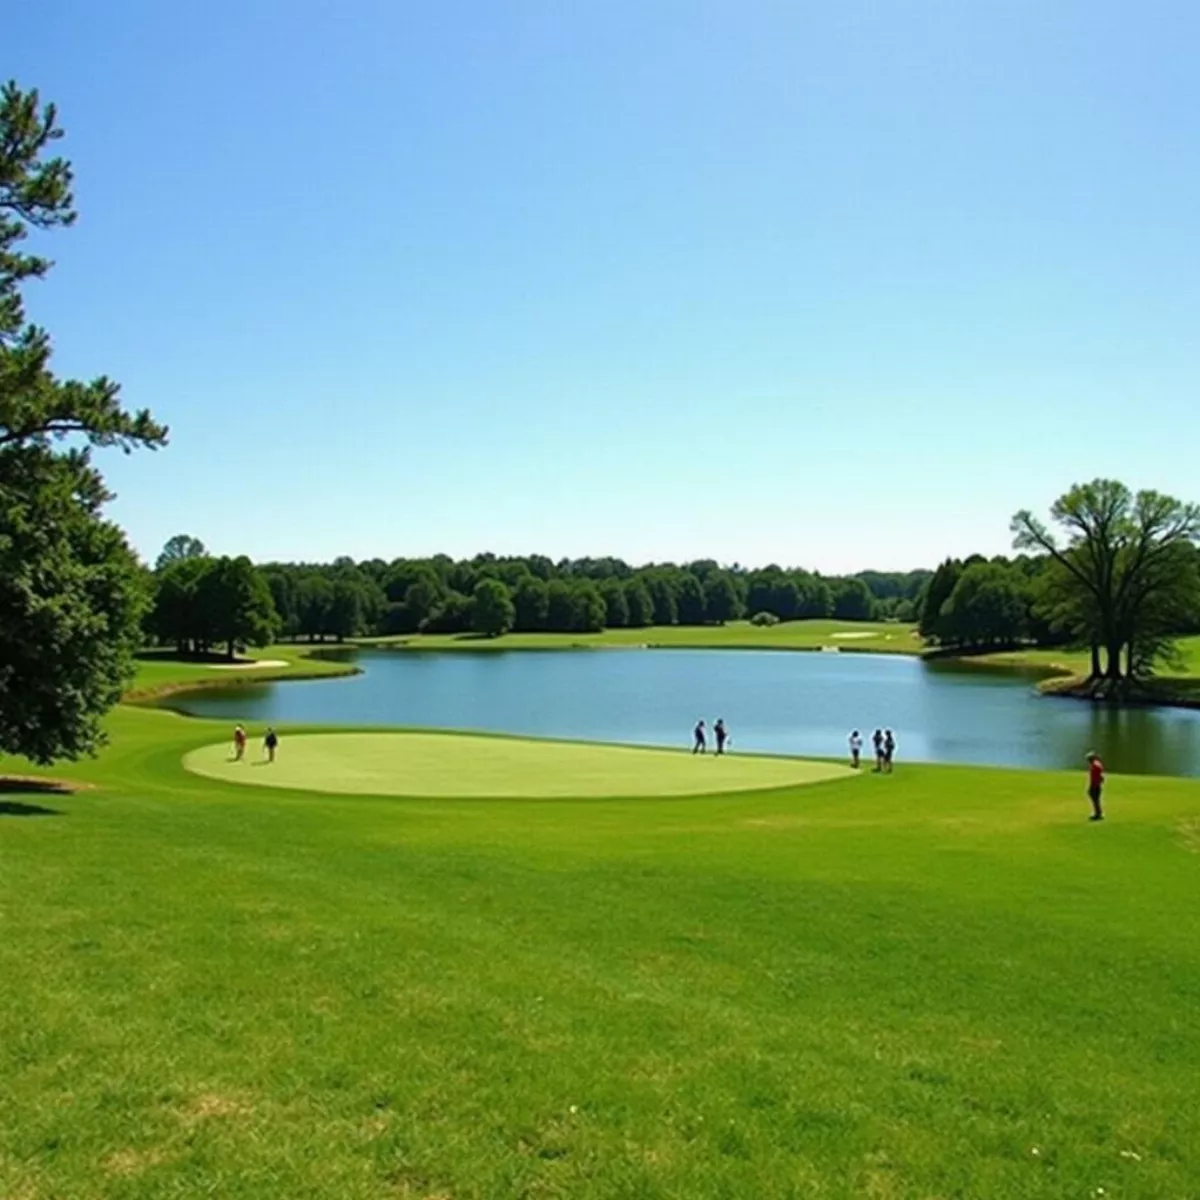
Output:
x,y
876,637
1067,671
162,674
940,983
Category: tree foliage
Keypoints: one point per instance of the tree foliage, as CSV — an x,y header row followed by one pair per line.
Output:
x,y
493,611
181,546
71,594
1119,557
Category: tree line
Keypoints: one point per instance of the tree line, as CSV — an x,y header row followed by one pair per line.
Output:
x,y
201,602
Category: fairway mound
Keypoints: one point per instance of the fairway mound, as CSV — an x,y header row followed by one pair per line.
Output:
x,y
466,765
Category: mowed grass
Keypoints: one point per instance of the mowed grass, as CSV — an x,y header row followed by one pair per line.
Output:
x,y
463,765
161,672
943,983
876,637
1178,681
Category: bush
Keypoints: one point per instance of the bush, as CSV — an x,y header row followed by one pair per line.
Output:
x,y
764,618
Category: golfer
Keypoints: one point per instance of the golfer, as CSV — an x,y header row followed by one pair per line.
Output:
x,y
856,745
269,744
1095,784
889,750
719,730
699,745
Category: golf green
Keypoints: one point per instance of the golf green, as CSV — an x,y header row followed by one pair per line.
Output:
x,y
424,764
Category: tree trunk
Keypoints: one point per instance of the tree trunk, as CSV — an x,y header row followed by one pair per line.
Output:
x,y
229,651
1114,659
1096,671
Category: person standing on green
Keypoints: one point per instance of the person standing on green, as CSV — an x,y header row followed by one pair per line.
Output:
x,y
269,744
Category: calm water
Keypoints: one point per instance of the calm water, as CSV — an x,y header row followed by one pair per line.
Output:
x,y
774,702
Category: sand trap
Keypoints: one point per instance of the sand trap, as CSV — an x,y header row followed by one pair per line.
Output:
x,y
850,637
258,664
433,764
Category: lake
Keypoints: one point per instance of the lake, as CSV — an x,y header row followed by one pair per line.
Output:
x,y
774,702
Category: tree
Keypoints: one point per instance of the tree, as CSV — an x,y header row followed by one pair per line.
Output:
x,y
852,600
71,594
587,607
1116,560
175,616
531,604
722,601
559,607
314,602
283,593
347,606
71,603
987,608
664,596
452,615
689,599
235,604
181,546
639,602
936,593
493,612
616,605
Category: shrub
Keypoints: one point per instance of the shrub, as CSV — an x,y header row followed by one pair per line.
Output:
x,y
764,618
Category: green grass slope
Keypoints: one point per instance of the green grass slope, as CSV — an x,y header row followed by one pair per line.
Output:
x,y
943,983
160,673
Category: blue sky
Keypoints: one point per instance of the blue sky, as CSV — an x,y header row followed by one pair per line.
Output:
x,y
838,285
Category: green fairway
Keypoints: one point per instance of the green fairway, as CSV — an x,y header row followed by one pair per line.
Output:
x,y
431,764
943,983
877,637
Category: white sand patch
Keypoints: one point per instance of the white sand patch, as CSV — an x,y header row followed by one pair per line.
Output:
x,y
849,637
258,664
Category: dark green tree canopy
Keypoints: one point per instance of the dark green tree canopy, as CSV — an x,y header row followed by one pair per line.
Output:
x,y
493,612
72,600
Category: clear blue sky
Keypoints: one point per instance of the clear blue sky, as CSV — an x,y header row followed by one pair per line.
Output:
x,y
838,285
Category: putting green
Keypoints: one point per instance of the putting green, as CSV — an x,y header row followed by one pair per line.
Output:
x,y
428,764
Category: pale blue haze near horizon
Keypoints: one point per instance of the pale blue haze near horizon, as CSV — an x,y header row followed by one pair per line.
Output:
x,y
836,285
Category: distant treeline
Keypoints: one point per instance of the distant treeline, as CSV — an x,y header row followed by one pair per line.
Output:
x,y
202,602
971,604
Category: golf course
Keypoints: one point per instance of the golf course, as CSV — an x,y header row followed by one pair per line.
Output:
x,y
438,965
599,602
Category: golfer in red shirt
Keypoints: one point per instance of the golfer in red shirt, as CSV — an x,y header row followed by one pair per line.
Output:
x,y
1095,784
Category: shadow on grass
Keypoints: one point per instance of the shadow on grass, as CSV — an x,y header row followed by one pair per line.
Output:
x,y
16,785
13,808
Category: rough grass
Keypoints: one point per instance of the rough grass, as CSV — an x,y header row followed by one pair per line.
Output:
x,y
941,983
440,764
876,637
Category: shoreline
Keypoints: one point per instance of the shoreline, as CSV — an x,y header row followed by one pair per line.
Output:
x,y
147,697
1059,680
1055,680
